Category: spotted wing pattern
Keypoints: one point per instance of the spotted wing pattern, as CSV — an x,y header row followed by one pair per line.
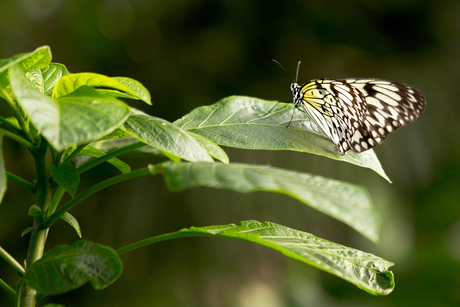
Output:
x,y
358,114
390,105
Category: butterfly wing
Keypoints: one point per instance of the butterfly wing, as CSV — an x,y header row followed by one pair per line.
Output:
x,y
390,105
337,107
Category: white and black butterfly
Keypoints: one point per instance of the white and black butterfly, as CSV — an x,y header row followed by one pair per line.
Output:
x,y
358,114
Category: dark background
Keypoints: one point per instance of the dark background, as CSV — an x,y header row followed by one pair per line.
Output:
x,y
190,53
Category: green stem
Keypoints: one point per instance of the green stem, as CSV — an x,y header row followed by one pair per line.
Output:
x,y
164,237
22,182
90,191
108,156
11,261
9,124
7,288
38,236
19,139
17,114
55,200
74,153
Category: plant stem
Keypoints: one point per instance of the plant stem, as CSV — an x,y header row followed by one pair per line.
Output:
x,y
7,288
163,237
17,114
90,191
19,139
11,261
22,182
38,236
106,157
55,200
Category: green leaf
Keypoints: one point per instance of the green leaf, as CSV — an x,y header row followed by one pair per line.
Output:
x,y
66,268
212,148
51,75
54,305
36,59
34,210
117,143
67,176
78,118
345,202
137,87
26,231
2,170
13,121
72,82
35,77
243,122
94,152
364,270
69,218
165,136
116,134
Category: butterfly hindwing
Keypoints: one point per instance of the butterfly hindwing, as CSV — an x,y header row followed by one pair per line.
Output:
x,y
390,105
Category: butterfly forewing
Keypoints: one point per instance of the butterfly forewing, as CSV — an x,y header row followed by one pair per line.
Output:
x,y
336,107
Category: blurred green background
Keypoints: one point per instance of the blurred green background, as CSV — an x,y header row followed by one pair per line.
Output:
x,y
190,53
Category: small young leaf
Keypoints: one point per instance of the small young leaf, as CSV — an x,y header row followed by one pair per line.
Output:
x,y
69,218
364,270
72,82
66,268
245,122
26,231
345,202
165,136
94,152
51,75
78,118
2,170
35,77
67,176
116,134
35,210
117,143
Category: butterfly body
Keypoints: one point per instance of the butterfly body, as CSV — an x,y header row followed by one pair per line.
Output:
x,y
358,114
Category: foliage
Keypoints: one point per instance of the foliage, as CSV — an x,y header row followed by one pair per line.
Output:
x,y
81,121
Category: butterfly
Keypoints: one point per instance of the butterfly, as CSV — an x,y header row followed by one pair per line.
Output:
x,y
358,114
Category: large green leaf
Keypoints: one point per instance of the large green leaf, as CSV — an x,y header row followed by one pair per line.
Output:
x,y
243,122
39,58
365,270
346,202
2,170
66,268
78,118
36,59
72,82
167,137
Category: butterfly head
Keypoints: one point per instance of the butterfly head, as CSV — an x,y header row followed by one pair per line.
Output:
x,y
297,94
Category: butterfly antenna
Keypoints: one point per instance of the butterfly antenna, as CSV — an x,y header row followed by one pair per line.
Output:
x,y
297,73
283,69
